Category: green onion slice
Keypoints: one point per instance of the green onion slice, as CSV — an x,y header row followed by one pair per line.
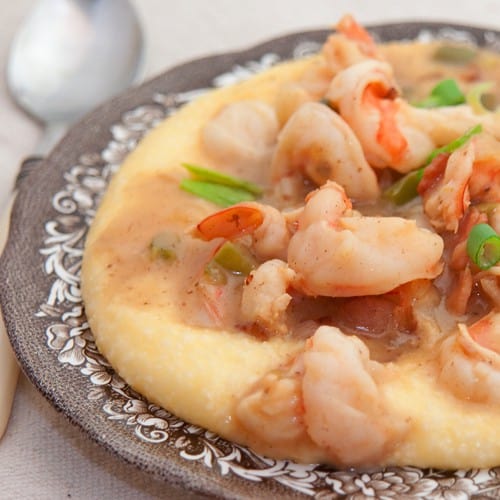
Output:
x,y
445,93
454,54
220,194
205,174
165,245
235,259
454,145
477,96
483,246
405,189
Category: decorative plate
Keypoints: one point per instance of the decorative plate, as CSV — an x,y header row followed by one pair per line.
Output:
x,y
40,297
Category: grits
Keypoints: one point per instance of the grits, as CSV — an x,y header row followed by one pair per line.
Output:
x,y
151,320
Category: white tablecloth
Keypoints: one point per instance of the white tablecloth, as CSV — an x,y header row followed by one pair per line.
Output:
x,y
42,455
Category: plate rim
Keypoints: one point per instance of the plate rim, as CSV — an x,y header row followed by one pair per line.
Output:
x,y
56,159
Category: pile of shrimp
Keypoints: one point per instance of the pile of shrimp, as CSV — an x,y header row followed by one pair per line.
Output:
x,y
323,151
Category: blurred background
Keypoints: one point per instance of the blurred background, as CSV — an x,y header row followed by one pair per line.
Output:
x,y
42,455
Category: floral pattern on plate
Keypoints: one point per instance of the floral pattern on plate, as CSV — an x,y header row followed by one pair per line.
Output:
x,y
70,340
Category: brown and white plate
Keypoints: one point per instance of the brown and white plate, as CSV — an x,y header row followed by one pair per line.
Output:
x,y
45,319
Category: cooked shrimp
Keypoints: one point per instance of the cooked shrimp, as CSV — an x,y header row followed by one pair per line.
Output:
x,y
339,254
470,361
444,187
494,217
350,45
351,29
391,131
484,183
242,135
366,96
328,203
290,97
446,123
317,143
329,395
265,296
344,410
272,413
316,79
461,281
333,251
230,223
266,225
271,239
340,53
460,290
452,182
490,283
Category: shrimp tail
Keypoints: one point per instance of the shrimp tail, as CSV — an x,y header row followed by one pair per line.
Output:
x,y
230,223
350,28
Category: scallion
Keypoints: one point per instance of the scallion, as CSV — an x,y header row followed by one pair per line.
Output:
x,y
455,54
222,189
215,177
405,189
220,194
483,246
445,93
165,245
454,145
477,96
235,259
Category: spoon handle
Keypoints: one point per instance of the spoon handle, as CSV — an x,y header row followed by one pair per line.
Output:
x,y
9,369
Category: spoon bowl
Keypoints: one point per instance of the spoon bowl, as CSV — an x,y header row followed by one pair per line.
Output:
x,y
71,55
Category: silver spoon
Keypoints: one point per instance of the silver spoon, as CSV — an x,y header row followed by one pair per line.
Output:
x,y
67,57
70,55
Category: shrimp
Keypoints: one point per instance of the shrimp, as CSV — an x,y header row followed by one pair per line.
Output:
x,y
290,97
317,143
391,131
490,283
446,123
329,396
265,224
265,298
350,45
461,279
484,183
242,135
344,409
337,253
470,361
451,183
367,97
332,250
444,187
272,414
